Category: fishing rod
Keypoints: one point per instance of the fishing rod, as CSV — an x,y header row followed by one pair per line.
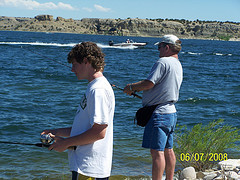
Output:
x,y
28,144
46,141
134,94
113,85
36,144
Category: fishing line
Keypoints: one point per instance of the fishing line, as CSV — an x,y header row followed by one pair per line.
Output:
x,y
133,94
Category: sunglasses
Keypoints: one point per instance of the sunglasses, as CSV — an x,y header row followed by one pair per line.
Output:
x,y
161,45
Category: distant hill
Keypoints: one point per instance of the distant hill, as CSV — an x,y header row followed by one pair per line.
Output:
x,y
125,27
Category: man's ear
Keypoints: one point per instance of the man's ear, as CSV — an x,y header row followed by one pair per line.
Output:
x,y
167,47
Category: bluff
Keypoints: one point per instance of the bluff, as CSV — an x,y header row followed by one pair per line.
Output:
x,y
125,27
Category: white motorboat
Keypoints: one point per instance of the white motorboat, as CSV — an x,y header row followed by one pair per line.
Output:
x,y
127,43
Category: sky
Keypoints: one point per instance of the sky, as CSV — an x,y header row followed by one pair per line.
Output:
x,y
204,10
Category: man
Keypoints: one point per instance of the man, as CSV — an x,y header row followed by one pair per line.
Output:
x,y
161,87
92,129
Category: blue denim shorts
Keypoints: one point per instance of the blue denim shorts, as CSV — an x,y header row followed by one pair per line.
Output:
x,y
158,133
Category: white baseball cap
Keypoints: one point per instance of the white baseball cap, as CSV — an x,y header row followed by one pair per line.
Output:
x,y
170,38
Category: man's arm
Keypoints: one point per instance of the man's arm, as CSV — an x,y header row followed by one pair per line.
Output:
x,y
95,133
63,132
138,86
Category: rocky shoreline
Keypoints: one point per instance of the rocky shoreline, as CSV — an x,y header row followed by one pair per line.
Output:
x,y
225,170
125,27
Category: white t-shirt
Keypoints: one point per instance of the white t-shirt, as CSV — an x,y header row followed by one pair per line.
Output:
x,y
96,106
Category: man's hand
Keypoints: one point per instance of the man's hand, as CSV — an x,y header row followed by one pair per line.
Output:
x,y
128,90
60,144
48,131
138,86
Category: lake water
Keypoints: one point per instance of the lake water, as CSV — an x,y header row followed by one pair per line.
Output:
x,y
37,93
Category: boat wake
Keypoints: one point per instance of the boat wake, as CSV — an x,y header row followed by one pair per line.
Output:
x,y
198,54
220,54
62,45
191,53
116,47
37,44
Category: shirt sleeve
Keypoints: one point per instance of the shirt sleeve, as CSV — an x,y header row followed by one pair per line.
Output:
x,y
156,73
98,108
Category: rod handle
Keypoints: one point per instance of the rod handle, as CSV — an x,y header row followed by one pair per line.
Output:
x,y
135,95
72,147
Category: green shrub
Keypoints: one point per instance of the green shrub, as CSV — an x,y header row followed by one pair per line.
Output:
x,y
224,37
203,146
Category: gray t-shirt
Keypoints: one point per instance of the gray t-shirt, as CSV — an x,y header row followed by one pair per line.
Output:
x,y
166,75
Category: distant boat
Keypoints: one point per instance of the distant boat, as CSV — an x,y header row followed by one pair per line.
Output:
x,y
127,43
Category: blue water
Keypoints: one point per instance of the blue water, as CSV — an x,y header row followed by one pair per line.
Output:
x,y
37,93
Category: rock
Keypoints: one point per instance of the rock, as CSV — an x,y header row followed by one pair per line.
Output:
x,y
200,175
231,175
60,19
237,170
229,164
125,27
44,17
188,174
172,25
69,20
220,177
10,19
230,170
211,176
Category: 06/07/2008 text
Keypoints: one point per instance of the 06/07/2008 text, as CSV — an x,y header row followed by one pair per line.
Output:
x,y
203,156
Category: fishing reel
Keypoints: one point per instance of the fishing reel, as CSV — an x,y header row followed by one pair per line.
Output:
x,y
46,139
